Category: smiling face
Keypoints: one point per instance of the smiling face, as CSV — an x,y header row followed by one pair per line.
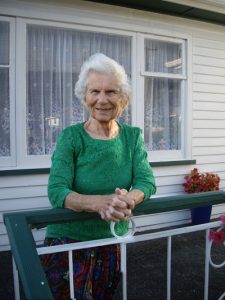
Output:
x,y
103,99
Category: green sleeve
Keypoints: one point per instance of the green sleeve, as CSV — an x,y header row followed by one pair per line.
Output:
x,y
143,178
62,169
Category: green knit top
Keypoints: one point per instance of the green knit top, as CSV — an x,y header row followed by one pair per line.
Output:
x,y
96,167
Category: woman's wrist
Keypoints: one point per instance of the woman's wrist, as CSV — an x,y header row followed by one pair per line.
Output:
x,y
137,196
72,201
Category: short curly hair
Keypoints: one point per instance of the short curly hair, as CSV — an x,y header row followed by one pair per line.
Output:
x,y
103,64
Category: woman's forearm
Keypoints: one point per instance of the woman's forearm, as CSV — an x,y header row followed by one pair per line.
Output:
x,y
90,203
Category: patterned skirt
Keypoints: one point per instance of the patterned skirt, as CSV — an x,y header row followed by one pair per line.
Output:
x,y
96,271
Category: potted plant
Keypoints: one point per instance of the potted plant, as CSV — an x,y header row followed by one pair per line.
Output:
x,y
196,182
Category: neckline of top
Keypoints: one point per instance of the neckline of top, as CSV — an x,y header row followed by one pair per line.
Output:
x,y
101,140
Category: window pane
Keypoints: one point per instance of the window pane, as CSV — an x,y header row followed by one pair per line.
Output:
x,y
164,57
4,43
162,114
54,59
4,113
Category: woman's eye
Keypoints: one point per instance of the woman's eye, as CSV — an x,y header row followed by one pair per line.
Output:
x,y
112,93
94,92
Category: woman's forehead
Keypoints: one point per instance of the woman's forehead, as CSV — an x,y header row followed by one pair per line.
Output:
x,y
102,79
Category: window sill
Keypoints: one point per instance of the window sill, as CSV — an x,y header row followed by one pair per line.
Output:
x,y
47,170
24,172
173,163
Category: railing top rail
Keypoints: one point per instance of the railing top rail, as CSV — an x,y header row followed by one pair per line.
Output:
x,y
23,247
41,218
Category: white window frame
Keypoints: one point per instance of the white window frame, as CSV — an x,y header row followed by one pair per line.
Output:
x,y
44,161
19,158
10,161
185,151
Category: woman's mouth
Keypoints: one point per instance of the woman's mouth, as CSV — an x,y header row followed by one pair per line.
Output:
x,y
103,109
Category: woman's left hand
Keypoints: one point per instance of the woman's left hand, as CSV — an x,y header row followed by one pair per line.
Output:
x,y
120,208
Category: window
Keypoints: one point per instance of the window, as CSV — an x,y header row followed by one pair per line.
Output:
x,y
54,59
164,79
46,64
7,146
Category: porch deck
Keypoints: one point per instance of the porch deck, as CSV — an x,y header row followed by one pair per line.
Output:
x,y
146,267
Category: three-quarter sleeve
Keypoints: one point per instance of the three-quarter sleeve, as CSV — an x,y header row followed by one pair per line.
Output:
x,y
62,169
143,178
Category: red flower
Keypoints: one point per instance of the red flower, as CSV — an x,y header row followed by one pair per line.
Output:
x,y
217,237
196,182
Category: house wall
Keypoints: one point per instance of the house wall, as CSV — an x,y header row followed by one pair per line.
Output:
x,y
206,95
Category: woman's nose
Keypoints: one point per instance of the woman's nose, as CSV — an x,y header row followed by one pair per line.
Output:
x,y
102,97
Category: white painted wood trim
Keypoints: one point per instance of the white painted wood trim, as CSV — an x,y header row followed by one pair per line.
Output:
x,y
10,161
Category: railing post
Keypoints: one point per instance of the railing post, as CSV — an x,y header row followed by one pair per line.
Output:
x,y
123,249
169,244
70,254
207,254
16,280
35,284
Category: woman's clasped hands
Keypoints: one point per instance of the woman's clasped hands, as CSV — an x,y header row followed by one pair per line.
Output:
x,y
119,208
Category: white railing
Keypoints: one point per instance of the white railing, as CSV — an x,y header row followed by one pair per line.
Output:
x,y
123,241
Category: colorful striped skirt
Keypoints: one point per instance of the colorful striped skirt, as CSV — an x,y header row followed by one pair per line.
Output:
x,y
96,271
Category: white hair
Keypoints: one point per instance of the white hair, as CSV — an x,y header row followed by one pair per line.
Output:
x,y
103,64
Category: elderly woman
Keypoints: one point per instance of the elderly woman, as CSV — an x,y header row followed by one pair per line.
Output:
x,y
98,166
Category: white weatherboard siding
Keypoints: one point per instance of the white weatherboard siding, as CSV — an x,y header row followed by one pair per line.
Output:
x,y
21,193
206,96
208,139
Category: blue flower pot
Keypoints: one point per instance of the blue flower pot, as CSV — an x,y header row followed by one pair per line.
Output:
x,y
201,215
